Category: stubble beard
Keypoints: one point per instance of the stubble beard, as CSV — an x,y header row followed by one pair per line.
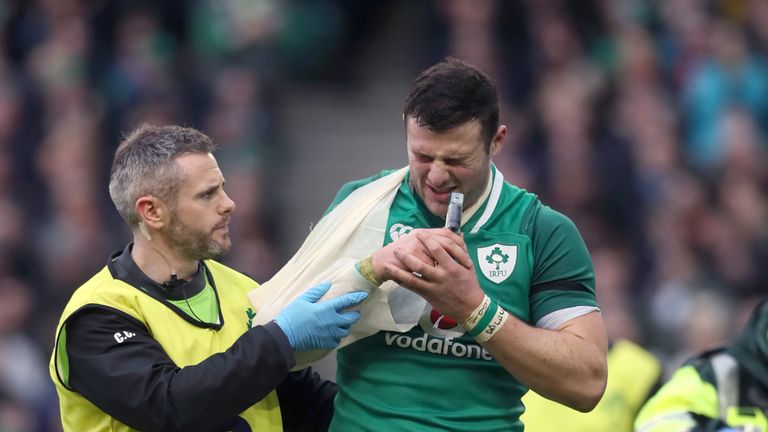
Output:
x,y
195,244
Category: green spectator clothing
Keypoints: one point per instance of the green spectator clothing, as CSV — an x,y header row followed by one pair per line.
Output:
x,y
726,387
434,377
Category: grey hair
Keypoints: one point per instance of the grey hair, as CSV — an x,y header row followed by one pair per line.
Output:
x,y
144,165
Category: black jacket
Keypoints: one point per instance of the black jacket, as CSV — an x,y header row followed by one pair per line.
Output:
x,y
139,385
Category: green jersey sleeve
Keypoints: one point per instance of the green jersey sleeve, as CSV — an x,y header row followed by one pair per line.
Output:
x,y
563,275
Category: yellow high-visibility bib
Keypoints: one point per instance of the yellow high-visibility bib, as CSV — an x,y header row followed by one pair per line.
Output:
x,y
185,343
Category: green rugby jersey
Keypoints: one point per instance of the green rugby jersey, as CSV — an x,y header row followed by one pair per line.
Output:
x,y
437,378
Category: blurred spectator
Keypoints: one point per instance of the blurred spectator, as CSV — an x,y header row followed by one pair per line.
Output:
x,y
730,76
23,384
644,121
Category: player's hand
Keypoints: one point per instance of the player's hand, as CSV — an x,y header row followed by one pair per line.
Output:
x,y
384,260
311,325
448,282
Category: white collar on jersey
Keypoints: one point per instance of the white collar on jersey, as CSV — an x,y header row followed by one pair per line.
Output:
x,y
491,193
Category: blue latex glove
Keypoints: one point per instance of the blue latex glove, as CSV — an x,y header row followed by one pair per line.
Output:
x,y
310,325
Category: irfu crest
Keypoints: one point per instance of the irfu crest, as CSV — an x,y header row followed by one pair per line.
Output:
x,y
497,261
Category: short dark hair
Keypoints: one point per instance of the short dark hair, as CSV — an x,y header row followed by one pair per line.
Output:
x,y
452,93
144,165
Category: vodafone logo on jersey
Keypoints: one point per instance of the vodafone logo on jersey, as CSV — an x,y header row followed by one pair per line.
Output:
x,y
438,338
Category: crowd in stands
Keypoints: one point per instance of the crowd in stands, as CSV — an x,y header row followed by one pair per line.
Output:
x,y
645,121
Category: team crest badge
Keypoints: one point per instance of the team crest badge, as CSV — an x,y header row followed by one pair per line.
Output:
x,y
497,261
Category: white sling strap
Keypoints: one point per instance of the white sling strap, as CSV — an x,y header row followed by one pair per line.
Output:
x,y
354,229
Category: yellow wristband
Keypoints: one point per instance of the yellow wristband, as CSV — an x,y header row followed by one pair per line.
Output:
x,y
365,267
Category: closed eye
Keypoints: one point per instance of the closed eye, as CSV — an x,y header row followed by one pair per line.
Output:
x,y
208,193
423,158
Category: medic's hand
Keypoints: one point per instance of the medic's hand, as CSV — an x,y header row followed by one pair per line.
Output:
x,y
310,325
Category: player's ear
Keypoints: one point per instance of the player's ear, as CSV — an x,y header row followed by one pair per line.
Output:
x,y
498,140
